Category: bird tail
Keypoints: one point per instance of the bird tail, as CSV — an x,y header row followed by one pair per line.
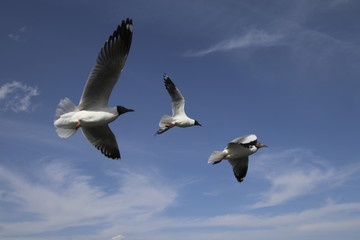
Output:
x,y
166,120
64,106
216,155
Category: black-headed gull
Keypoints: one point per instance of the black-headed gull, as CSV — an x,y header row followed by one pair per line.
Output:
x,y
237,152
93,114
179,117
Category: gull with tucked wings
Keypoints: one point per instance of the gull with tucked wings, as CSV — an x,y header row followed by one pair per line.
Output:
x,y
237,152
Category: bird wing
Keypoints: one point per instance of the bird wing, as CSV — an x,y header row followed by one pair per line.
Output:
x,y
240,167
177,100
103,139
109,64
244,141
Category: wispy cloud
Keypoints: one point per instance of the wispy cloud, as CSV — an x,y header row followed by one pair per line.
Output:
x,y
293,224
308,44
57,196
252,38
297,172
16,96
17,36
334,3
118,237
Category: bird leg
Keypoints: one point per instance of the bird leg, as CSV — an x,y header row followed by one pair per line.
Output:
x,y
77,125
167,127
170,126
218,161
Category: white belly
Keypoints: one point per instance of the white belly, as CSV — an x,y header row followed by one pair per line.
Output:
x,y
87,119
238,152
184,122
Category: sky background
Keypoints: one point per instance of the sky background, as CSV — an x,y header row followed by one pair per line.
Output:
x,y
287,71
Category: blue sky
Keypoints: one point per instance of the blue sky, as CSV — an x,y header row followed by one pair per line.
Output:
x,y
287,71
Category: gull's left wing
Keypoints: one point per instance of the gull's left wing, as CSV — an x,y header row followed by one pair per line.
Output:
x,y
109,64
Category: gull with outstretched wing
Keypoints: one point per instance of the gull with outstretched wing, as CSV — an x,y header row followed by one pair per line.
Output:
x,y
179,117
93,114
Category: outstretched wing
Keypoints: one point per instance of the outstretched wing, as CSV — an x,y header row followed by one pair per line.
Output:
x,y
103,139
177,100
109,64
240,167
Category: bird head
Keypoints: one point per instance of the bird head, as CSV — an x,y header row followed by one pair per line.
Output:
x,y
121,110
260,145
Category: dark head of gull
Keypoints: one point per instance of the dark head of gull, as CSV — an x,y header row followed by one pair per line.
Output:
x,y
197,123
121,110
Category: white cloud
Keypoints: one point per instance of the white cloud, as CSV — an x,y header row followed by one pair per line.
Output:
x,y
54,196
22,29
16,96
334,3
291,225
310,46
118,237
251,39
58,197
296,172
17,36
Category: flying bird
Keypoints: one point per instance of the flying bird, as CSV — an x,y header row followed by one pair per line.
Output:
x,y
179,117
93,114
237,152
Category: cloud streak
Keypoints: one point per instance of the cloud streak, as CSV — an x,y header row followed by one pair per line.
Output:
x,y
254,38
334,3
58,197
308,44
54,197
16,96
17,36
295,173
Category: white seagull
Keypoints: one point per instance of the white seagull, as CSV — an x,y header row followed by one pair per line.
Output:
x,y
237,152
93,114
179,117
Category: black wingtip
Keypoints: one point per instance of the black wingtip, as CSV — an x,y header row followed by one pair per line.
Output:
x,y
123,31
167,80
240,179
113,154
114,157
168,83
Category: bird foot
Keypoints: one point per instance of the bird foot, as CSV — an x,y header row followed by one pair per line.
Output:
x,y
162,130
216,162
170,126
77,125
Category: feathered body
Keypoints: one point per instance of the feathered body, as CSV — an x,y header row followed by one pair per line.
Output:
x,y
87,118
93,114
237,152
179,117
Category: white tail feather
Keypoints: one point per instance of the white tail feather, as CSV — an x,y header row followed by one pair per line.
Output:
x,y
216,155
65,106
166,120
65,132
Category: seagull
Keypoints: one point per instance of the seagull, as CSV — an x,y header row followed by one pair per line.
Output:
x,y
179,117
237,152
93,114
